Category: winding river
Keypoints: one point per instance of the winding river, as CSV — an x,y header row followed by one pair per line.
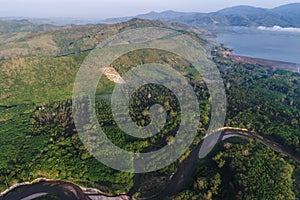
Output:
x,y
177,183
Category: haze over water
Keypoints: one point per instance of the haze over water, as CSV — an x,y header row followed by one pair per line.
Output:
x,y
272,45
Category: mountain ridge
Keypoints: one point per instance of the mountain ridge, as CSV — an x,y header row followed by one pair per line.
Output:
x,y
285,16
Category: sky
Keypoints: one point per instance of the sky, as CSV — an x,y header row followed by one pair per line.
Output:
x,y
102,9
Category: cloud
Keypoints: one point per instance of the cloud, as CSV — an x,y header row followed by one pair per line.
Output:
x,y
280,29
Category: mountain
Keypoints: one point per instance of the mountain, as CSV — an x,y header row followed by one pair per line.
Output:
x,y
13,25
21,37
284,16
242,10
39,138
293,8
290,12
165,15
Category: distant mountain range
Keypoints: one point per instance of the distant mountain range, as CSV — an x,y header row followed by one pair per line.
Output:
x,y
284,16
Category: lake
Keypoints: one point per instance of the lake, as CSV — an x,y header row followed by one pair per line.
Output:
x,y
267,44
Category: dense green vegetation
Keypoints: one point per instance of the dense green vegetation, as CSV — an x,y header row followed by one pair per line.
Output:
x,y
263,100
35,80
241,169
58,152
268,105
39,138
44,143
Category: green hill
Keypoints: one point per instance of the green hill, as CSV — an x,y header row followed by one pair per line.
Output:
x,y
39,137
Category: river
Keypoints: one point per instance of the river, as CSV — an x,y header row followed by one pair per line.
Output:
x,y
177,183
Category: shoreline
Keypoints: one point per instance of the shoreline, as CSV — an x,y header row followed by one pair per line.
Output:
x,y
43,187
275,64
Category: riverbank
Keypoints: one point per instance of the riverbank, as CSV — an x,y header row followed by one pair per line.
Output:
x,y
65,190
179,180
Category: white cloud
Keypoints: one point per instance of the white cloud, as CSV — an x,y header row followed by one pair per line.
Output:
x,y
280,29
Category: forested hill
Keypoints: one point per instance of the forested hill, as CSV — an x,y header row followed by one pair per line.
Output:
x,y
19,38
39,137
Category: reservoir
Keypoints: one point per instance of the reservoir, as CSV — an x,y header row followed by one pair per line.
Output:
x,y
267,43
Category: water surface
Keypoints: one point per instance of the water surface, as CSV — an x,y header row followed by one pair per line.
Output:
x,y
273,45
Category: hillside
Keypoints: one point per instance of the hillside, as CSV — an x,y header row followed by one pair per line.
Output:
x,y
22,38
284,16
39,137
35,100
